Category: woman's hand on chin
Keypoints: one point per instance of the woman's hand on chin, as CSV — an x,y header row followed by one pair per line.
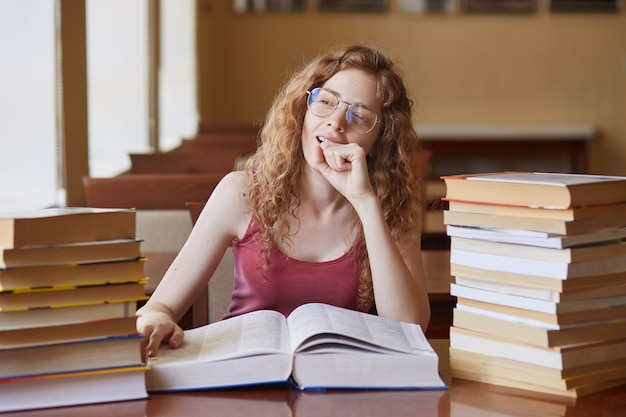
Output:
x,y
345,168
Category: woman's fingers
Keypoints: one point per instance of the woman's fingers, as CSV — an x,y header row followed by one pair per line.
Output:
x,y
340,157
176,339
155,335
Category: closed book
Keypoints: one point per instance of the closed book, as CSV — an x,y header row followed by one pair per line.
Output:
x,y
539,372
558,357
71,274
100,273
72,388
558,227
537,189
543,306
24,300
519,289
537,333
40,317
567,214
483,375
34,336
317,347
536,238
502,368
582,253
538,267
65,225
82,355
537,282
573,317
71,253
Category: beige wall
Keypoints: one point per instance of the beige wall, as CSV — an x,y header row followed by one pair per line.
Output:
x,y
488,69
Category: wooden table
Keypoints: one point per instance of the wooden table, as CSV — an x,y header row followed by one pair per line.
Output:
x,y
519,142
462,399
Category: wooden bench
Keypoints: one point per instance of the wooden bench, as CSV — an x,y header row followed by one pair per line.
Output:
x,y
217,143
220,162
149,191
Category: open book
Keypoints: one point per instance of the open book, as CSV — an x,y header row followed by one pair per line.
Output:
x,y
317,347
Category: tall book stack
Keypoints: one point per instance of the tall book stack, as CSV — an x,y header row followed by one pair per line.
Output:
x,y
539,266
70,279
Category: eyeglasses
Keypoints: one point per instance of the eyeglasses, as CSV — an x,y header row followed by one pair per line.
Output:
x,y
323,103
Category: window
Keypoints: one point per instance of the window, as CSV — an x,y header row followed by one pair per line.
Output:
x,y
117,71
117,66
117,89
27,117
177,90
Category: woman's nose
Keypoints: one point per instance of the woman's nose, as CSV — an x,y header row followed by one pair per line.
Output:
x,y
338,119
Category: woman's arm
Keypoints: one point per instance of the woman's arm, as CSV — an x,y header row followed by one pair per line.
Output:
x,y
397,270
222,219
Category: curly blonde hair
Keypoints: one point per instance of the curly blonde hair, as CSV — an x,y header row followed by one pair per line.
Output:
x,y
278,162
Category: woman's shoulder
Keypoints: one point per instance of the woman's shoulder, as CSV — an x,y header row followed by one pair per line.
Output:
x,y
232,190
227,208
241,179
233,184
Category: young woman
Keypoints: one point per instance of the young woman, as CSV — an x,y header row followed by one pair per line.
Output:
x,y
327,210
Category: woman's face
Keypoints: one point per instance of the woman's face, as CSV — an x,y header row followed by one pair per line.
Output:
x,y
350,86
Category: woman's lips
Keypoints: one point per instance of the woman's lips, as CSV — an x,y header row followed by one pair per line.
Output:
x,y
322,139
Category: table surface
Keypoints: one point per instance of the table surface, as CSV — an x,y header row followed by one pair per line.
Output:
x,y
462,399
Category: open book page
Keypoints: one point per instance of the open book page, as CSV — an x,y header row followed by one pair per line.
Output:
x,y
318,324
245,350
336,348
260,332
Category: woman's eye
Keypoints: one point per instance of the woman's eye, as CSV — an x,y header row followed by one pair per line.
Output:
x,y
361,117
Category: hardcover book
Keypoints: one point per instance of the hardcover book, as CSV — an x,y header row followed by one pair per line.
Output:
x,y
71,274
65,225
537,189
317,347
70,253
72,388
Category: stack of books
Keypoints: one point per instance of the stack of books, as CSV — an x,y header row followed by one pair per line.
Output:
x,y
70,279
539,266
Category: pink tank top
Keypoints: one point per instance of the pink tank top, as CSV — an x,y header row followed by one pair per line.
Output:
x,y
287,283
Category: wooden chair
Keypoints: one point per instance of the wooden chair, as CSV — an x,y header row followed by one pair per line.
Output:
x,y
195,208
220,162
